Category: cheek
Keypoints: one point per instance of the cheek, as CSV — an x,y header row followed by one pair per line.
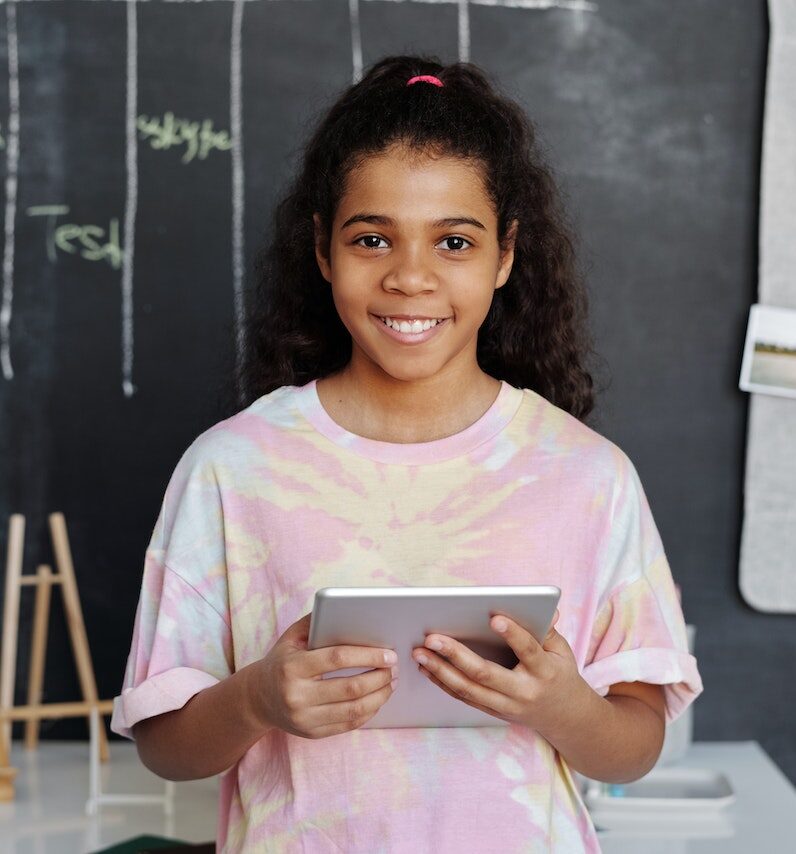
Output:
x,y
471,300
350,289
353,278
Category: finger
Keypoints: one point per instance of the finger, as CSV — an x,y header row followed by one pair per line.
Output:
x,y
478,669
461,686
527,649
339,688
350,714
430,676
330,658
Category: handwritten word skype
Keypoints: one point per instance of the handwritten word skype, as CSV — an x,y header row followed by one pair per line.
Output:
x,y
66,236
199,139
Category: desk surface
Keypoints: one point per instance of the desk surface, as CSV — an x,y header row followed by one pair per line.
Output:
x,y
760,820
56,777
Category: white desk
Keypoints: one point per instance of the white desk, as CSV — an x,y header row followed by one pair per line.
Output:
x,y
52,787
761,819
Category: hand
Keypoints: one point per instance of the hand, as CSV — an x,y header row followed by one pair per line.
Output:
x,y
544,682
292,695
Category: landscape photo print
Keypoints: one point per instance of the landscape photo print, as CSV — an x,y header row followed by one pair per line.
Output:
x,y
769,358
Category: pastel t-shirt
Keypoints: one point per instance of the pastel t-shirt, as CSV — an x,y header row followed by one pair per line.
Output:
x,y
279,500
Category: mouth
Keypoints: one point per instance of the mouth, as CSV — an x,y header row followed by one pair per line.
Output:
x,y
418,333
424,325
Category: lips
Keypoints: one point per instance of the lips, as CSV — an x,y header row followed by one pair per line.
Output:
x,y
410,337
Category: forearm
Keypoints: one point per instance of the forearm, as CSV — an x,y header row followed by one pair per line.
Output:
x,y
207,735
613,739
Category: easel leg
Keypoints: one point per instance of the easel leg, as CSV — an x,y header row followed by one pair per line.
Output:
x,y
8,660
16,540
74,618
7,774
41,618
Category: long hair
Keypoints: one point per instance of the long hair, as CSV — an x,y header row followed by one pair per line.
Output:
x,y
535,333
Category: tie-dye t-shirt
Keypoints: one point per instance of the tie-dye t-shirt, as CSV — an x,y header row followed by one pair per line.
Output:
x,y
279,500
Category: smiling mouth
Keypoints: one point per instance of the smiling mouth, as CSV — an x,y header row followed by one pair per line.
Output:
x,y
414,325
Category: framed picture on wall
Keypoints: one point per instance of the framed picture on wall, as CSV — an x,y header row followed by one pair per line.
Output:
x,y
769,356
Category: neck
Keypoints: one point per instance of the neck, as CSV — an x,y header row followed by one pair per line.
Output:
x,y
406,411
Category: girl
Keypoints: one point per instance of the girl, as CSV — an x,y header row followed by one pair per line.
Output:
x,y
415,396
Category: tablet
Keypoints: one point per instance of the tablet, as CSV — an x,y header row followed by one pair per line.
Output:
x,y
399,618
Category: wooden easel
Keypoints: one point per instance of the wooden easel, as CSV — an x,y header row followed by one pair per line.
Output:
x,y
35,710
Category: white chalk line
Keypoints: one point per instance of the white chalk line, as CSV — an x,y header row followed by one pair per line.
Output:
x,y
356,39
464,31
569,5
236,134
12,164
131,200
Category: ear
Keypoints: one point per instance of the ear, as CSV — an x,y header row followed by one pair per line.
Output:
x,y
323,261
507,258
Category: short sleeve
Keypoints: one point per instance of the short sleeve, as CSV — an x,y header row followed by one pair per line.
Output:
x,y
639,632
181,640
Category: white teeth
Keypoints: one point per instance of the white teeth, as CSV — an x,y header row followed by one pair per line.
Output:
x,y
415,327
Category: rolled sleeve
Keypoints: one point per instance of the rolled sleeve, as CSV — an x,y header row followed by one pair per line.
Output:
x,y
181,645
640,636
182,640
162,693
638,633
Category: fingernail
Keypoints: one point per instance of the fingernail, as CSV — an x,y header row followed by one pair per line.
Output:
x,y
434,644
421,659
390,657
393,684
394,671
500,625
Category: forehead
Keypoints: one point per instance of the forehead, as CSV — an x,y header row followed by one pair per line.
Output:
x,y
409,185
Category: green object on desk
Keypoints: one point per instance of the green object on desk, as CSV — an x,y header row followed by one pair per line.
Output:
x,y
141,844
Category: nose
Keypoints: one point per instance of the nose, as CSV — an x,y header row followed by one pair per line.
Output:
x,y
410,273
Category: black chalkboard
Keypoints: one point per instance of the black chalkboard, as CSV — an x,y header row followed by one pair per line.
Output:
x,y
651,114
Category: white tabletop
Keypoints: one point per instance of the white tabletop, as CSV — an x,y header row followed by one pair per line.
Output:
x,y
52,787
760,820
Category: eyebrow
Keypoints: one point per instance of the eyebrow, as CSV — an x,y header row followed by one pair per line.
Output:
x,y
379,219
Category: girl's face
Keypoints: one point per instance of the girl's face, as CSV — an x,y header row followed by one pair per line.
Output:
x,y
416,236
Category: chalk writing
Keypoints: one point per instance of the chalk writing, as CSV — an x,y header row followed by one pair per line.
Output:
x,y
199,138
91,237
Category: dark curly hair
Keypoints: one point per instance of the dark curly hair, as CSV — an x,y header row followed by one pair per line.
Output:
x,y
534,335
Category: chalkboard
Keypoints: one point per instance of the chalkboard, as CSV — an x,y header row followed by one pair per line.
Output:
x,y
153,139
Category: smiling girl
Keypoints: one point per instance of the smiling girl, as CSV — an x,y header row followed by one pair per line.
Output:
x,y
415,400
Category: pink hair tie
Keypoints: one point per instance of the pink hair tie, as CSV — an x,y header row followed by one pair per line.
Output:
x,y
425,78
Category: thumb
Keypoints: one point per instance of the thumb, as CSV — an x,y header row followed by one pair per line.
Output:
x,y
298,633
553,639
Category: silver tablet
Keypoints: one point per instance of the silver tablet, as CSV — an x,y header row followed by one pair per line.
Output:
x,y
399,618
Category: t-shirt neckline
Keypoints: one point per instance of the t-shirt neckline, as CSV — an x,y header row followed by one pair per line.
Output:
x,y
499,414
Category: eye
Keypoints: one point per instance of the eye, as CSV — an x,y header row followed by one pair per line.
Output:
x,y
368,237
456,237
375,237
